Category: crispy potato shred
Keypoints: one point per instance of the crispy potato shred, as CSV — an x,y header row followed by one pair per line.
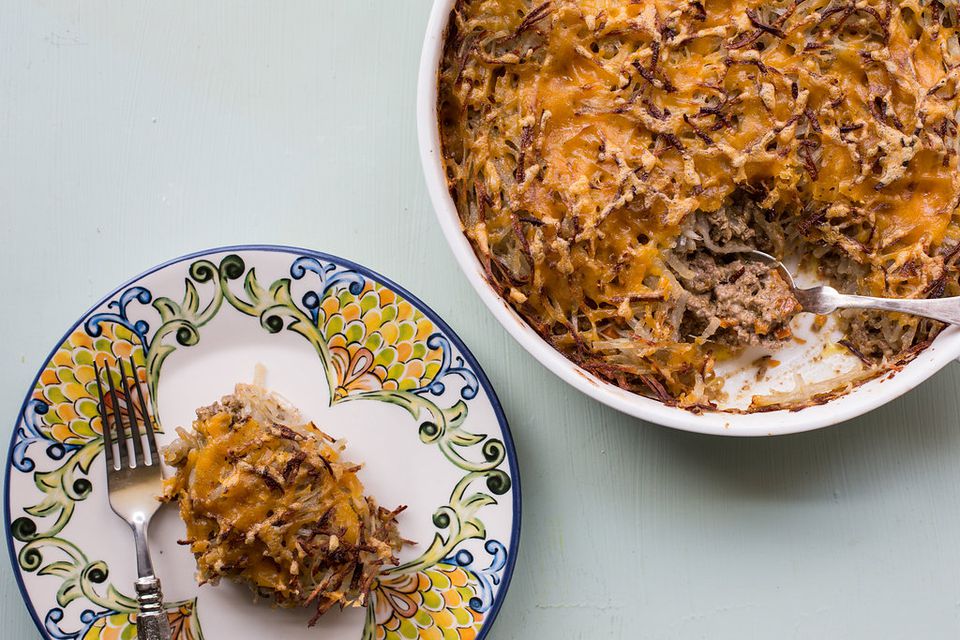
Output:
x,y
584,141
267,500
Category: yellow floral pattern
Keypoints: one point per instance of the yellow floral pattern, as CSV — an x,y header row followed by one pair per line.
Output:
x,y
377,340
123,626
431,605
375,345
67,385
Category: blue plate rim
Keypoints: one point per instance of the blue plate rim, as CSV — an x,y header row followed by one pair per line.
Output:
x,y
366,271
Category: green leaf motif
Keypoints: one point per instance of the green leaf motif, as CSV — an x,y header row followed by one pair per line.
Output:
x,y
440,423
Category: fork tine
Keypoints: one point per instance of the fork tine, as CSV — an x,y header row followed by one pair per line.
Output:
x,y
132,416
147,418
104,421
121,435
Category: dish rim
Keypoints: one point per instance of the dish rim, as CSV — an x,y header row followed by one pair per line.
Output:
x,y
512,462
862,399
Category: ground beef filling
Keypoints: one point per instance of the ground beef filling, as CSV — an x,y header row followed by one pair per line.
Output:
x,y
736,301
731,298
580,138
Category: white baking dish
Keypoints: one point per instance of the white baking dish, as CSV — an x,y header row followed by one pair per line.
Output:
x,y
859,401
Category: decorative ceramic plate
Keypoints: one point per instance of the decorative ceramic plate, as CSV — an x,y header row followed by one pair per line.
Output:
x,y
359,356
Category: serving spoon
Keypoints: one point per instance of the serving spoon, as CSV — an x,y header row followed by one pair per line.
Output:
x,y
824,299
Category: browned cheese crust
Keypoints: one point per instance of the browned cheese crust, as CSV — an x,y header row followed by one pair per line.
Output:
x,y
267,500
591,145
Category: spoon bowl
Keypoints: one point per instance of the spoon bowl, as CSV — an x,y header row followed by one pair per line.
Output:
x,y
823,299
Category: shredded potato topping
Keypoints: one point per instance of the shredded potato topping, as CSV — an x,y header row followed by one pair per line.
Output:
x,y
587,142
267,500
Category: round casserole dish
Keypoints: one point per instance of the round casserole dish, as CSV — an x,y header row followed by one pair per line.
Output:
x,y
868,396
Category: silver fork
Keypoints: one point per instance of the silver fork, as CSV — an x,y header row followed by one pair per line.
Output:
x,y
133,486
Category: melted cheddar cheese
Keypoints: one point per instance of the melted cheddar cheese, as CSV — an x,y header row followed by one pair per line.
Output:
x,y
274,505
580,137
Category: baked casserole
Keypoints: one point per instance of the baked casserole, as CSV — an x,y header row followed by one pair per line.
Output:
x,y
611,160
267,500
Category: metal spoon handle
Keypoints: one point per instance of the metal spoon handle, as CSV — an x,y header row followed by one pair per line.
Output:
x,y
826,299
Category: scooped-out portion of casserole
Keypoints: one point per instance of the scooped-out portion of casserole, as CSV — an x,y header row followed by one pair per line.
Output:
x,y
268,500
611,160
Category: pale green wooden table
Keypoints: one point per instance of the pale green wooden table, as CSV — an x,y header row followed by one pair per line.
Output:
x,y
134,132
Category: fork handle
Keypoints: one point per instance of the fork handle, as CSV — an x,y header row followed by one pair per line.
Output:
x,y
152,621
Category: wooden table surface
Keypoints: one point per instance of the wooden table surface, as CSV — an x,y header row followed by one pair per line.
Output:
x,y
134,132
